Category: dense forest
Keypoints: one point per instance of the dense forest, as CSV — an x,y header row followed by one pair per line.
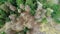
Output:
x,y
29,16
